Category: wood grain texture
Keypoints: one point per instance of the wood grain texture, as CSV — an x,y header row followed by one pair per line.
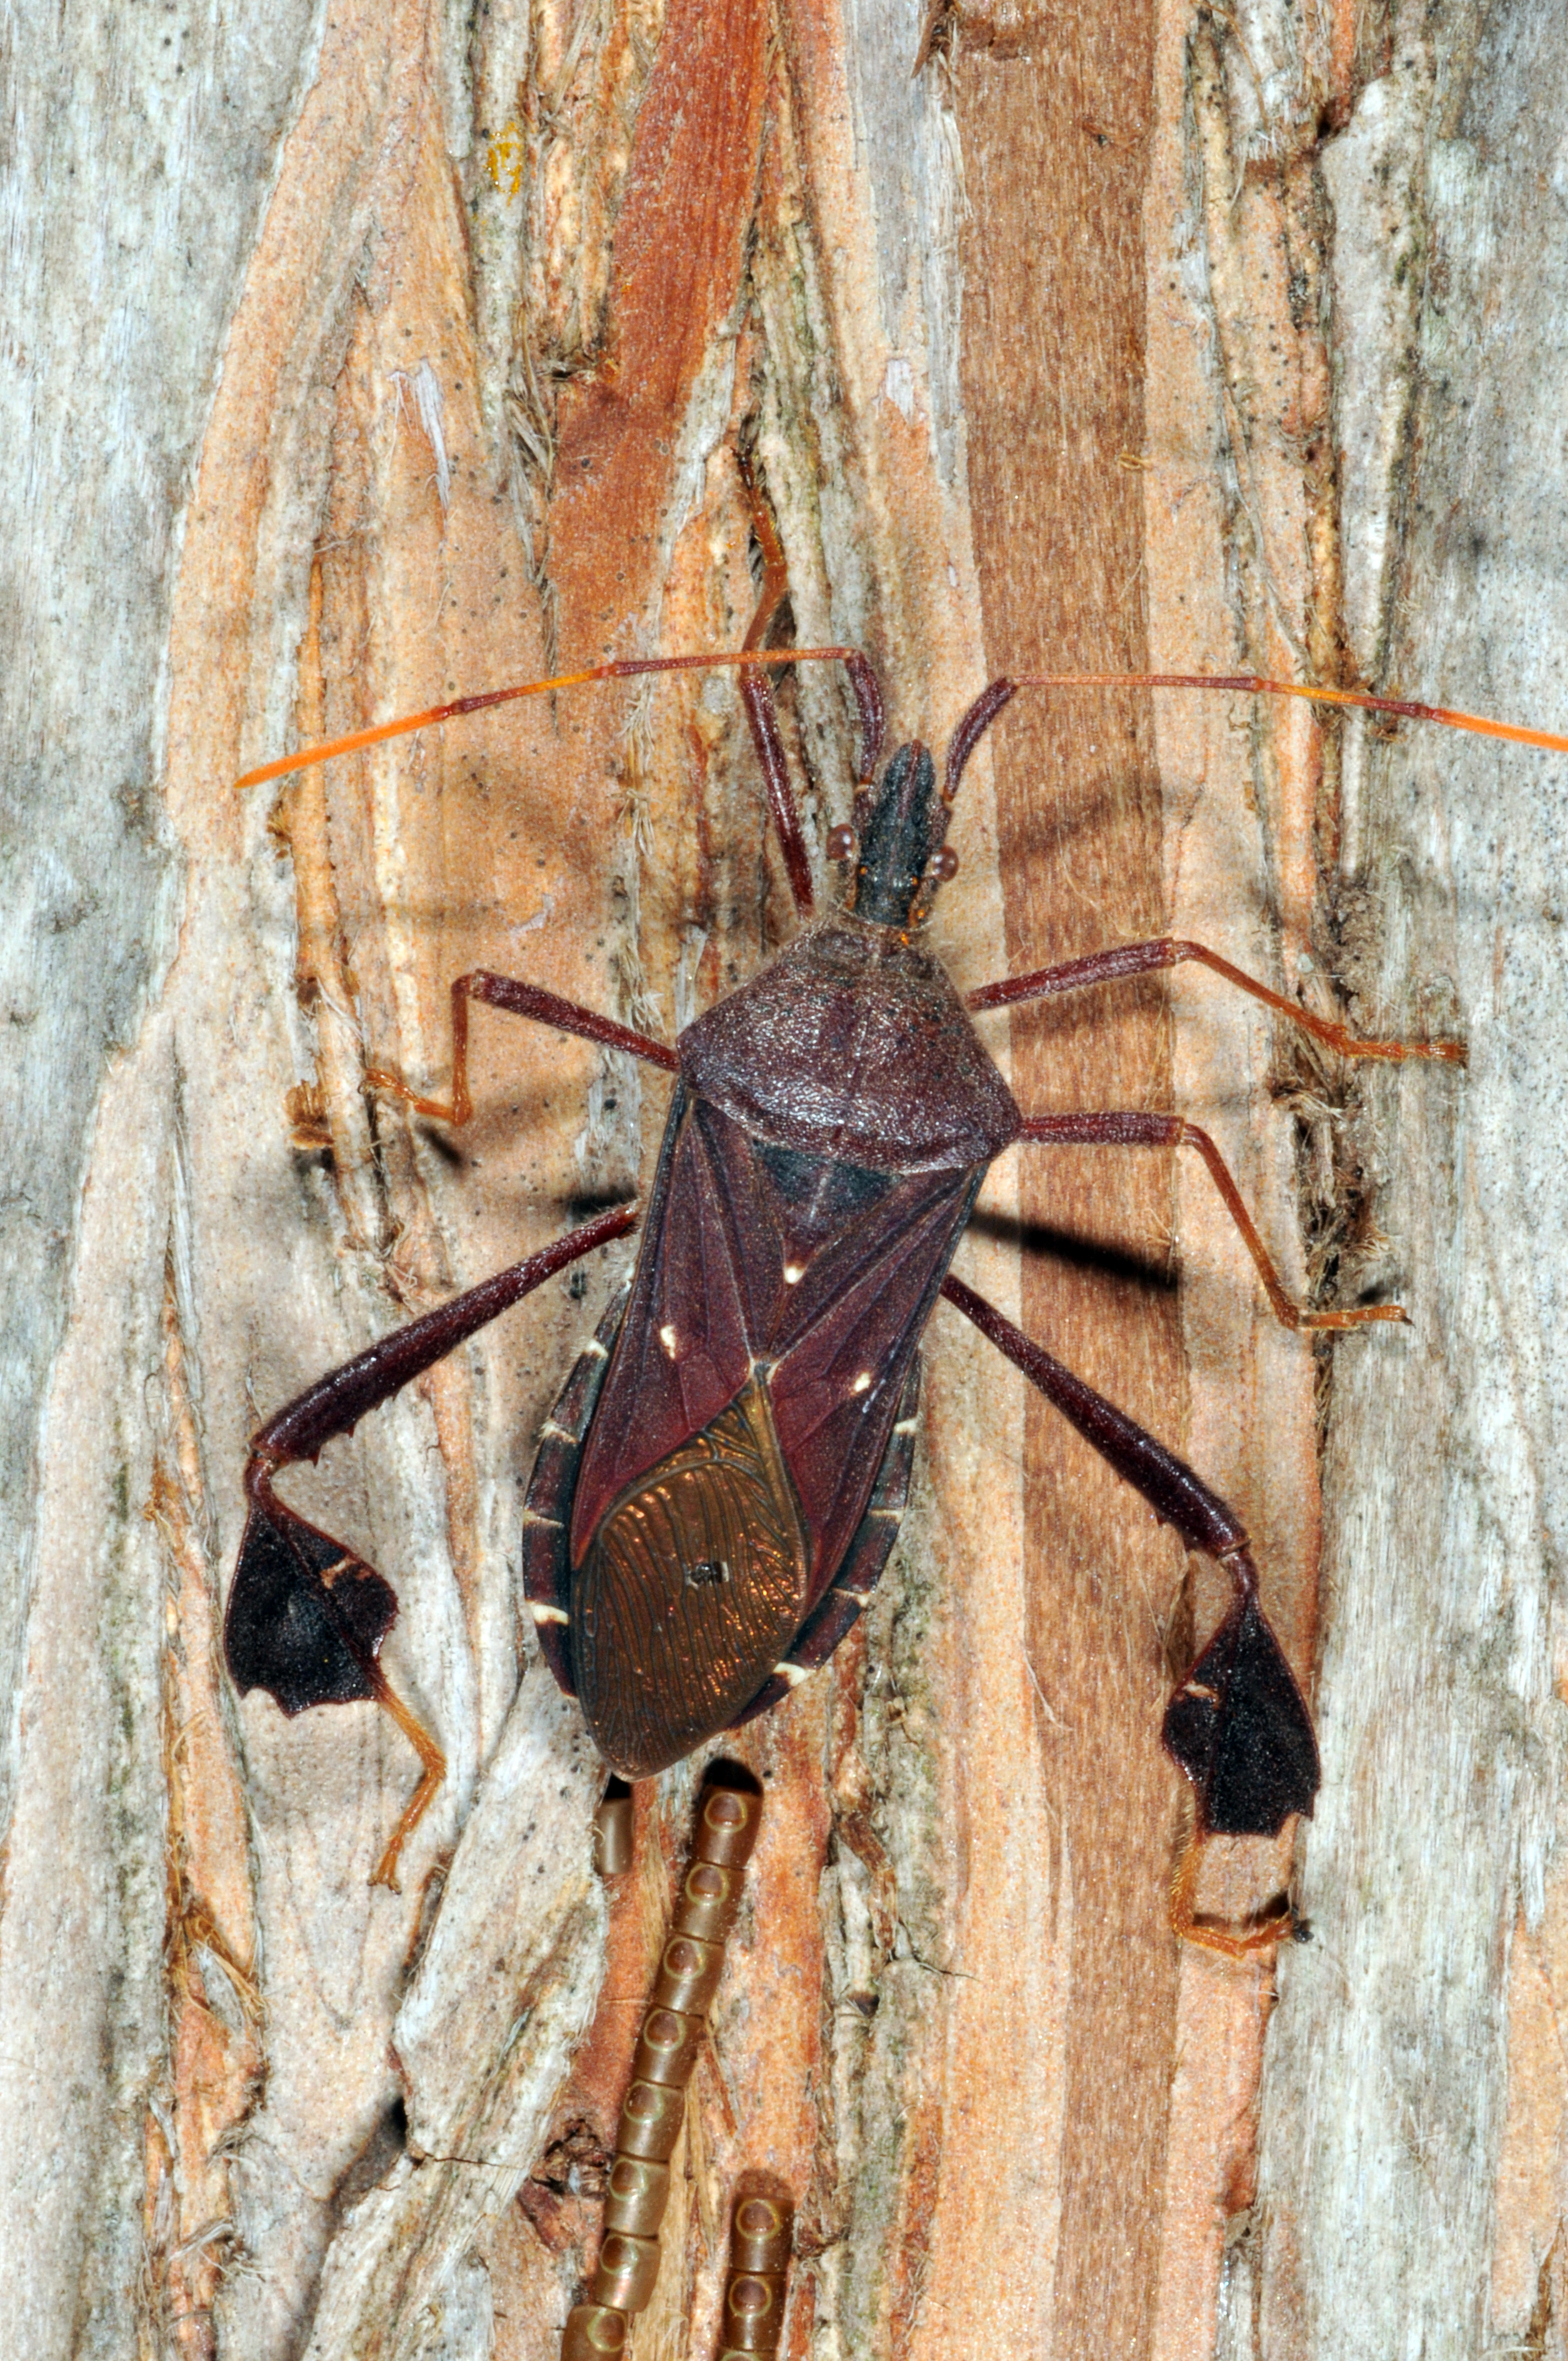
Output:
x,y
1054,372
359,360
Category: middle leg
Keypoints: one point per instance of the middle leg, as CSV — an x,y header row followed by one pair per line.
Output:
x,y
1131,1129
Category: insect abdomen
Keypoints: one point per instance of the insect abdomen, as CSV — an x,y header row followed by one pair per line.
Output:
x,y
547,1510
692,1588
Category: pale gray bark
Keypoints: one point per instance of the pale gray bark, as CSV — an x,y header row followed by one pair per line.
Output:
x,y
140,146
1385,2089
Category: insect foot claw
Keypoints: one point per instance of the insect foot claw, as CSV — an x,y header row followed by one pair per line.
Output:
x,y
305,1616
1279,1926
1360,1317
393,1086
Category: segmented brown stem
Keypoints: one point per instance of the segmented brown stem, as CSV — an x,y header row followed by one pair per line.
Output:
x,y
759,2240
693,1958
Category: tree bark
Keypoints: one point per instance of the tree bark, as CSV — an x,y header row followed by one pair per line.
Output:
x,y
1121,338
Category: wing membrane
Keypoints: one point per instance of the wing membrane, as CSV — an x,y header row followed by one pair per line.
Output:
x,y
694,1586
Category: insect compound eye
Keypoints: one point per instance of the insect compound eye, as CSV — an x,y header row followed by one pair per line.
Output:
x,y
942,865
842,844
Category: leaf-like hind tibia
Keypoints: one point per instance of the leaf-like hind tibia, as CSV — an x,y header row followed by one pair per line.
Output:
x,y
1239,1727
291,1630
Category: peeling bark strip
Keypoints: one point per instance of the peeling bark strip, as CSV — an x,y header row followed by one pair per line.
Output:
x,y
1118,335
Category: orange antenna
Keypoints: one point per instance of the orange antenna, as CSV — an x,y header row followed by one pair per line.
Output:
x,y
867,697
990,701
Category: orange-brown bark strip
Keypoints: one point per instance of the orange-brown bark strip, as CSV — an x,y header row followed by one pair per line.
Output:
x,y
1053,357
679,247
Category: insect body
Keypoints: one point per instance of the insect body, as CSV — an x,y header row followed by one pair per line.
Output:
x,y
737,1482
721,1481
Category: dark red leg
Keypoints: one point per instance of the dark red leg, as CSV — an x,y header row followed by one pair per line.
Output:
x,y
519,1000
306,1618
1238,1725
1132,1130
1145,958
757,696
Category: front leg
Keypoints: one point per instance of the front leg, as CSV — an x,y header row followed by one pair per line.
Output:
x,y
1238,1726
518,999
1147,959
306,1617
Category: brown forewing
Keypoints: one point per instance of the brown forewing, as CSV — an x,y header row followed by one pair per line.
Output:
x,y
735,1276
